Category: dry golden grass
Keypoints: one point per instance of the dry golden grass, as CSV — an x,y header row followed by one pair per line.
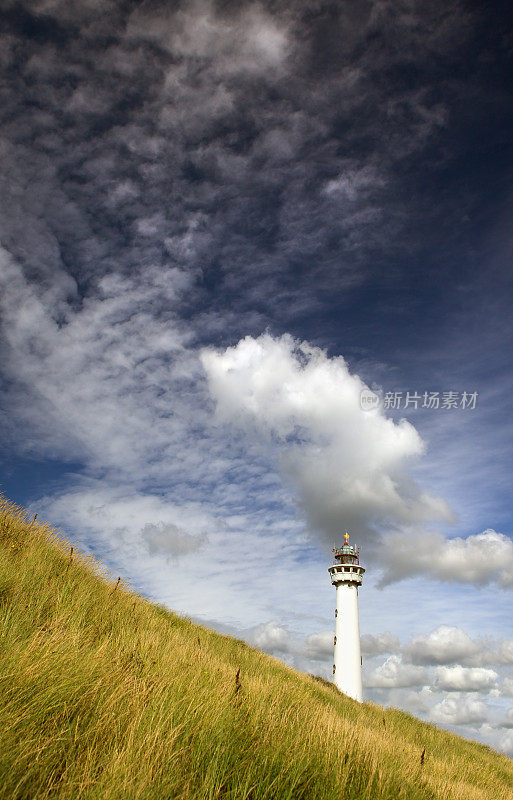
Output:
x,y
105,695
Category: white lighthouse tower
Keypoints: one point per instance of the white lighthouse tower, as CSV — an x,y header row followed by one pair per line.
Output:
x,y
346,576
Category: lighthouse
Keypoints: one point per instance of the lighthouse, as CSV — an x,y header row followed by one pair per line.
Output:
x,y
346,576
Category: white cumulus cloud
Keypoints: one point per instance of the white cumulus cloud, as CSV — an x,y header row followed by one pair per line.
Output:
x,y
319,645
479,559
271,637
508,722
465,679
349,466
393,673
445,645
505,655
375,645
506,743
459,711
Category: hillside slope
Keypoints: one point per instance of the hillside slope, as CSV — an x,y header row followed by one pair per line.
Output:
x,y
105,695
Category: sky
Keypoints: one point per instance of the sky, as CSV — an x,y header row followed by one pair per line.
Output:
x,y
255,289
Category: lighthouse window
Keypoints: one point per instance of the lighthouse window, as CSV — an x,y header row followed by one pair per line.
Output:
x,y
336,612
346,569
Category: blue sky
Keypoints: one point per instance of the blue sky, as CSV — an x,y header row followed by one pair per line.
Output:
x,y
220,223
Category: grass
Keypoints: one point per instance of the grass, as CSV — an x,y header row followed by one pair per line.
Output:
x,y
106,695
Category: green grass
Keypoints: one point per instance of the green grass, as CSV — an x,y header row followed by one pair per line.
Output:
x,y
106,695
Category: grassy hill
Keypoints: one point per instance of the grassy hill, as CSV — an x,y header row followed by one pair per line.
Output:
x,y
106,695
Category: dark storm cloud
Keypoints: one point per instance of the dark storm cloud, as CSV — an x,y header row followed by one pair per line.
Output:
x,y
261,146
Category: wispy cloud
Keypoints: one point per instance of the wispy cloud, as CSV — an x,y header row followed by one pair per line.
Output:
x,y
227,116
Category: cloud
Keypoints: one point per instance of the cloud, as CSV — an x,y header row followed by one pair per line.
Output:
x,y
459,711
479,559
271,637
350,467
505,654
393,673
131,519
319,645
248,40
189,105
375,645
111,521
507,686
353,182
450,645
93,380
417,700
465,679
445,645
169,540
508,722
506,743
